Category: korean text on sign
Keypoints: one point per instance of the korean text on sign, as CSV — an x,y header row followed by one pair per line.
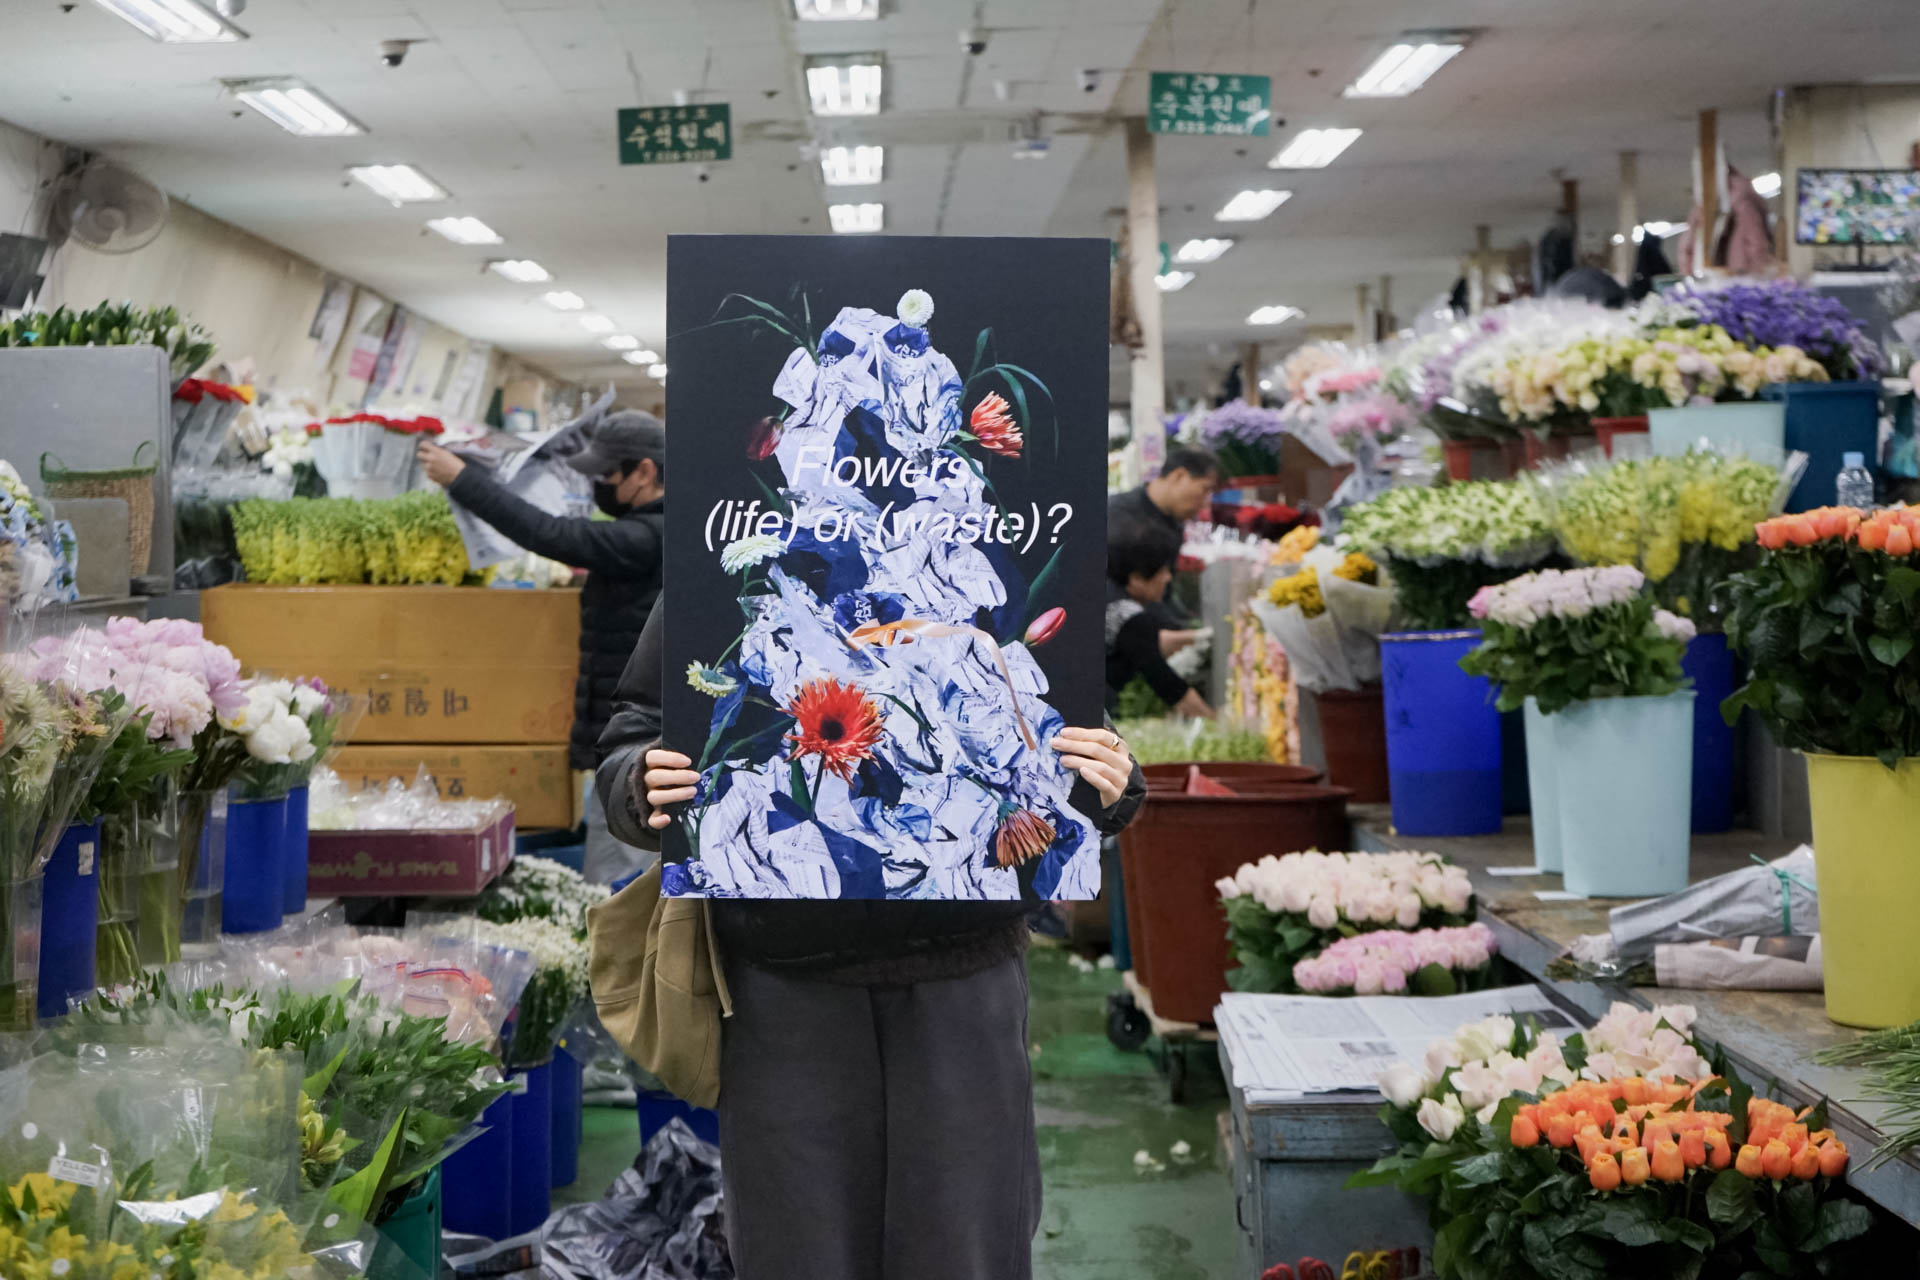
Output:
x,y
1208,104
676,135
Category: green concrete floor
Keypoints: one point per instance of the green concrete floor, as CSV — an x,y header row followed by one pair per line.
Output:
x,y
1097,1108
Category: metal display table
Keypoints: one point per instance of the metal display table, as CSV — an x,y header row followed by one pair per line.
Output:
x,y
1770,1036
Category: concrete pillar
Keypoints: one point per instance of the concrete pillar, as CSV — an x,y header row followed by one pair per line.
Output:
x,y
1363,313
1250,373
1628,216
1383,325
1149,400
1570,205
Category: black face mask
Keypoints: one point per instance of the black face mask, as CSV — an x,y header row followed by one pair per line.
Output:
x,y
606,496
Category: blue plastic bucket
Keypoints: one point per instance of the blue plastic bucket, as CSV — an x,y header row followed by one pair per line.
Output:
x,y
1443,736
1748,428
253,886
69,918
659,1109
1625,773
568,1083
1825,420
293,854
1543,789
1710,664
532,1151
476,1182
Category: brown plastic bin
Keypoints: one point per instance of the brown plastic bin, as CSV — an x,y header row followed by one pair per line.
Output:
x,y
1178,849
1235,774
1353,732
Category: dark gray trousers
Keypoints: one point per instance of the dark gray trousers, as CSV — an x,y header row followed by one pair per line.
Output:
x,y
879,1133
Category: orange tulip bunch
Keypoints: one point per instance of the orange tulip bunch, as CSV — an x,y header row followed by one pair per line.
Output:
x,y
1629,1130
1894,530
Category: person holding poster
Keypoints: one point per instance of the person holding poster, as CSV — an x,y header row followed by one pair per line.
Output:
x,y
876,1097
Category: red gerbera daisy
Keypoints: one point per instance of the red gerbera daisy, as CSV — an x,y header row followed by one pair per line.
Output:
x,y
1022,837
992,425
837,722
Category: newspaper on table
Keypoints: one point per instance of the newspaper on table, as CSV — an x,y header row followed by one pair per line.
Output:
x,y
1286,1047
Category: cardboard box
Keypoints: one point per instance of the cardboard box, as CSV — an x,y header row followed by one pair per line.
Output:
x,y
534,776
409,864
436,664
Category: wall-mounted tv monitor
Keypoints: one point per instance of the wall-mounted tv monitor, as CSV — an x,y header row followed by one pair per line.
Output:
x,y
1856,206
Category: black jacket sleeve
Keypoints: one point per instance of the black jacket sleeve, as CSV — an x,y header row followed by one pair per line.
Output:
x,y
633,730
627,547
1137,646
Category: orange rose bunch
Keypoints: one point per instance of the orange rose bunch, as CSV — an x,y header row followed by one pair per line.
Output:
x,y
1630,1130
1894,530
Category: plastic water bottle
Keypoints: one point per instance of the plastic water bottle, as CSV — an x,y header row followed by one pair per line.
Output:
x,y
1853,487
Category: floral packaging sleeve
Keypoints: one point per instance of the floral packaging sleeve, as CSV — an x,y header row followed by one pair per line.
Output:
x,y
893,557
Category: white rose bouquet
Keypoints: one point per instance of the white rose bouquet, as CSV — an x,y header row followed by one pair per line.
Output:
x,y
1281,911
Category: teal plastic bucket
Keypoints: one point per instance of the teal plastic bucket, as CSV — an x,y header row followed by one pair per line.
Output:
x,y
1543,789
1625,773
1749,428
413,1234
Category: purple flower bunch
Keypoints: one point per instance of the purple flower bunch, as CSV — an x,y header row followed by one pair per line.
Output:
x,y
1436,375
1382,962
1785,313
1243,423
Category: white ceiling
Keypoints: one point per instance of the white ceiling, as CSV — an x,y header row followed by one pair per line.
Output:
x,y
510,104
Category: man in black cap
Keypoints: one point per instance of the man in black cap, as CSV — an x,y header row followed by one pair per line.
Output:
x,y
626,456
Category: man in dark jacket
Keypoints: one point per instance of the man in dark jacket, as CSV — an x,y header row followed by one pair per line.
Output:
x,y
626,456
876,1098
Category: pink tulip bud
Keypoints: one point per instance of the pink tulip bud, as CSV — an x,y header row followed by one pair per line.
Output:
x,y
1046,626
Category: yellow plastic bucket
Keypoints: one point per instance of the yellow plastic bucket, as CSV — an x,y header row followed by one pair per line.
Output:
x,y
1866,845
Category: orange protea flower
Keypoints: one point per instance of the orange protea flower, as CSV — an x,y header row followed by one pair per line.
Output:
x,y
837,722
993,426
1022,837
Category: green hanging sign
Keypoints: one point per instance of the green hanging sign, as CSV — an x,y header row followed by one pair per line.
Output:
x,y
1200,102
693,134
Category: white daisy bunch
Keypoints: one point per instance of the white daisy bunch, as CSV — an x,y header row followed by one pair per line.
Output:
x,y
536,888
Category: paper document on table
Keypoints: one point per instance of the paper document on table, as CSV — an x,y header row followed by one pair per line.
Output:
x,y
1287,1046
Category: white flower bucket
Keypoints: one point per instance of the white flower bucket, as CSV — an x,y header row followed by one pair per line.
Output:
x,y
1543,789
1746,428
1625,779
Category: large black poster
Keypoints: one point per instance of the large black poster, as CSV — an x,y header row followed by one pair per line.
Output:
x,y
886,552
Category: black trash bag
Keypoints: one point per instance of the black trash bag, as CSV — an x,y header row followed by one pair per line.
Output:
x,y
663,1219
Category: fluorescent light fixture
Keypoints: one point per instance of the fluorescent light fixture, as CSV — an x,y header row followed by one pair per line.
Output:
x,y
1201,250
852,166
597,324
1274,313
1618,238
620,342
1173,281
566,300
1314,148
295,106
174,21
658,370
643,356
836,10
1405,67
1266,384
854,218
1767,186
520,270
849,85
466,230
1665,230
400,183
1251,206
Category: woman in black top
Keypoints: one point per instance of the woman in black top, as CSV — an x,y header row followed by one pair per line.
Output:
x,y
1141,556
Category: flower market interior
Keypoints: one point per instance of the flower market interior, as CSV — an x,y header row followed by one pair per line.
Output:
x,y
1279,627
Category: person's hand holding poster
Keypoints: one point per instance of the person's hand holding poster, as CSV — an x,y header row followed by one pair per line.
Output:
x,y
886,555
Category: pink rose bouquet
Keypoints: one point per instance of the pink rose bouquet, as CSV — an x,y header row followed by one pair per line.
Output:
x,y
1432,962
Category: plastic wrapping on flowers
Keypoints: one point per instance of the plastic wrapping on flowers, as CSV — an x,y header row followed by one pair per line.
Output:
x,y
1281,911
45,555
1623,1149
1685,522
1327,614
